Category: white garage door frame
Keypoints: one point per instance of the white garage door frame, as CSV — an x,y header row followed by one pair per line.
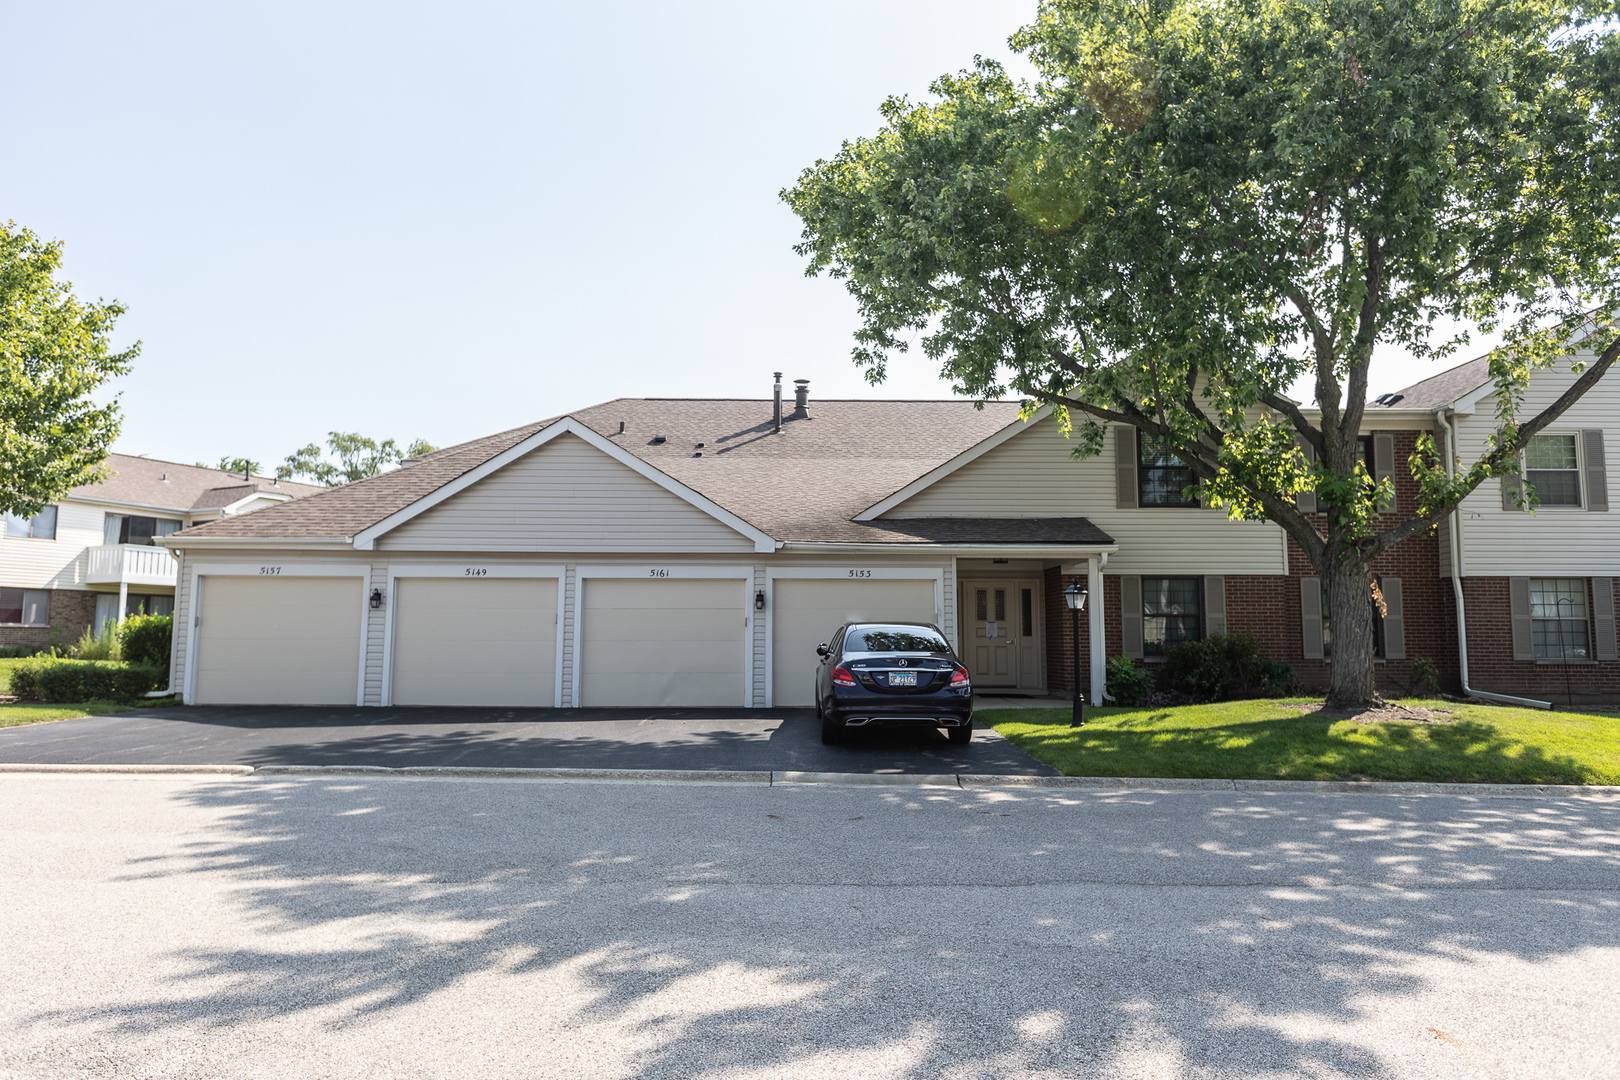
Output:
x,y
840,573
665,572
469,571
267,569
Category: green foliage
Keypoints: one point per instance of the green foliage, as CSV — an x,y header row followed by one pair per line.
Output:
x,y
54,679
1199,202
1126,682
357,458
1222,667
1425,678
10,651
54,357
145,639
246,466
92,645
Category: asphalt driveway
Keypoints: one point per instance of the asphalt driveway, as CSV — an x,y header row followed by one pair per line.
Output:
x,y
718,739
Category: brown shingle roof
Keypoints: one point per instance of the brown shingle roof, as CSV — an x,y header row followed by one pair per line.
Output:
x,y
806,483
170,485
1438,391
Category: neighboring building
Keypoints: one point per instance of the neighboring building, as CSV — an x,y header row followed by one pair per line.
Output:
x,y
687,552
94,555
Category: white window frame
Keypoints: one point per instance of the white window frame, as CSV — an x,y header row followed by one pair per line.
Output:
x,y
56,526
459,570
844,572
664,572
23,610
289,568
1580,469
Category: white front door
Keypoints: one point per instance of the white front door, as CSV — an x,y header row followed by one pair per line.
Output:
x,y
1003,646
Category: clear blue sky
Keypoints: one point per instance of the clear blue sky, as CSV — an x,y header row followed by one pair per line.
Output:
x,y
442,220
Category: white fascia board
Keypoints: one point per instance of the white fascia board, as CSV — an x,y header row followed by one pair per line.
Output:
x,y
230,508
973,453
999,551
366,539
179,511
207,543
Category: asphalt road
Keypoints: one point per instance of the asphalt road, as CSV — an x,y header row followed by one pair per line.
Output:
x,y
307,928
748,739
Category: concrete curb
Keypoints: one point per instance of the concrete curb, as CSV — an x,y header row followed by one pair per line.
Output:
x,y
950,780
1144,784
133,770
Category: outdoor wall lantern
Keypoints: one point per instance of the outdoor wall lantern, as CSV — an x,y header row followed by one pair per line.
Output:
x,y
1075,597
759,600
376,599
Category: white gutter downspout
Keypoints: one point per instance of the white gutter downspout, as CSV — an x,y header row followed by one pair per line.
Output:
x,y
1454,534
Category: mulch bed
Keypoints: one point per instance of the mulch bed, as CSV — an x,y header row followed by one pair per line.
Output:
x,y
1377,713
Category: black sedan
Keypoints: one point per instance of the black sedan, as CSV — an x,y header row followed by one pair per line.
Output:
x,y
876,674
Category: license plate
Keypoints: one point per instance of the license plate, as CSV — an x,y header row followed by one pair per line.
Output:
x,y
902,678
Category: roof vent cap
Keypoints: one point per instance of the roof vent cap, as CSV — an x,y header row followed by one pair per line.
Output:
x,y
658,440
165,478
1386,400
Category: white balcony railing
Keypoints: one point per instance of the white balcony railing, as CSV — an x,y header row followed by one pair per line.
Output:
x,y
135,564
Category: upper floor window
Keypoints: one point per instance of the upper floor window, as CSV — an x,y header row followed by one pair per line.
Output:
x,y
1163,479
1558,622
134,529
1170,613
42,526
1552,466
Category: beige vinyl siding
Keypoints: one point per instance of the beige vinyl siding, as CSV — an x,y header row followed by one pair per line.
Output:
x,y
1554,540
376,628
756,627
180,641
565,496
1032,475
54,564
570,655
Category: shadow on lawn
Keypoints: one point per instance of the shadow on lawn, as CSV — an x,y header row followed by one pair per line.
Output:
x,y
1305,746
679,944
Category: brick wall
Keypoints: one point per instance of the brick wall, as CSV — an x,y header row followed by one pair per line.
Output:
x,y
1059,635
1491,665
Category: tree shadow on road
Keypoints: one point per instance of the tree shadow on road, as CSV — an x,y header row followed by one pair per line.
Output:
x,y
886,932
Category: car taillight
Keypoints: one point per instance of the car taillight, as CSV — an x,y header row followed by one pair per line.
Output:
x,y
842,677
959,678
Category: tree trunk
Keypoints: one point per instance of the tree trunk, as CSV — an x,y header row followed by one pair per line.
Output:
x,y
1348,591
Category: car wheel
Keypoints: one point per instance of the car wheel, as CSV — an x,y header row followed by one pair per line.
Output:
x,y
831,730
960,735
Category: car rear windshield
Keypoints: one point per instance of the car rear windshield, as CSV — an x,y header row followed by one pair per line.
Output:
x,y
894,639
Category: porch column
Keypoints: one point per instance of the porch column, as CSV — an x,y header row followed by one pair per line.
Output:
x,y
123,600
1099,641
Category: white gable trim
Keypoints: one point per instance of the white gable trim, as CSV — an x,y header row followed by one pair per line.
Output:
x,y
273,496
366,539
973,453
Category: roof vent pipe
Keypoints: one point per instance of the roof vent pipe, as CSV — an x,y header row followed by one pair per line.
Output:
x,y
776,417
801,399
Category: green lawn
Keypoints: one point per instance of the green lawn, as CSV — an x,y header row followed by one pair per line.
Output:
x,y
1249,740
33,712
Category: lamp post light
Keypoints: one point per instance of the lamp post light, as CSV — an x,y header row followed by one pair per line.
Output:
x,y
1075,597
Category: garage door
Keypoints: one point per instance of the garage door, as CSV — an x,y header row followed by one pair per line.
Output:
x,y
279,640
669,642
487,641
808,611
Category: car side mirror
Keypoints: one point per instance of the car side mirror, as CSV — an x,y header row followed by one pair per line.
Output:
x,y
821,650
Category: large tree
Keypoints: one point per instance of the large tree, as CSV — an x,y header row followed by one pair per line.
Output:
x,y
54,355
357,458
1200,202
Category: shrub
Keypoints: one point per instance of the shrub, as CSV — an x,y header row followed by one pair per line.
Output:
x,y
1223,666
1425,678
1128,684
144,639
8,652
94,646
59,680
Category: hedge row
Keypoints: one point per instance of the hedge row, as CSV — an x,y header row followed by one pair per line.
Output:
x,y
60,680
